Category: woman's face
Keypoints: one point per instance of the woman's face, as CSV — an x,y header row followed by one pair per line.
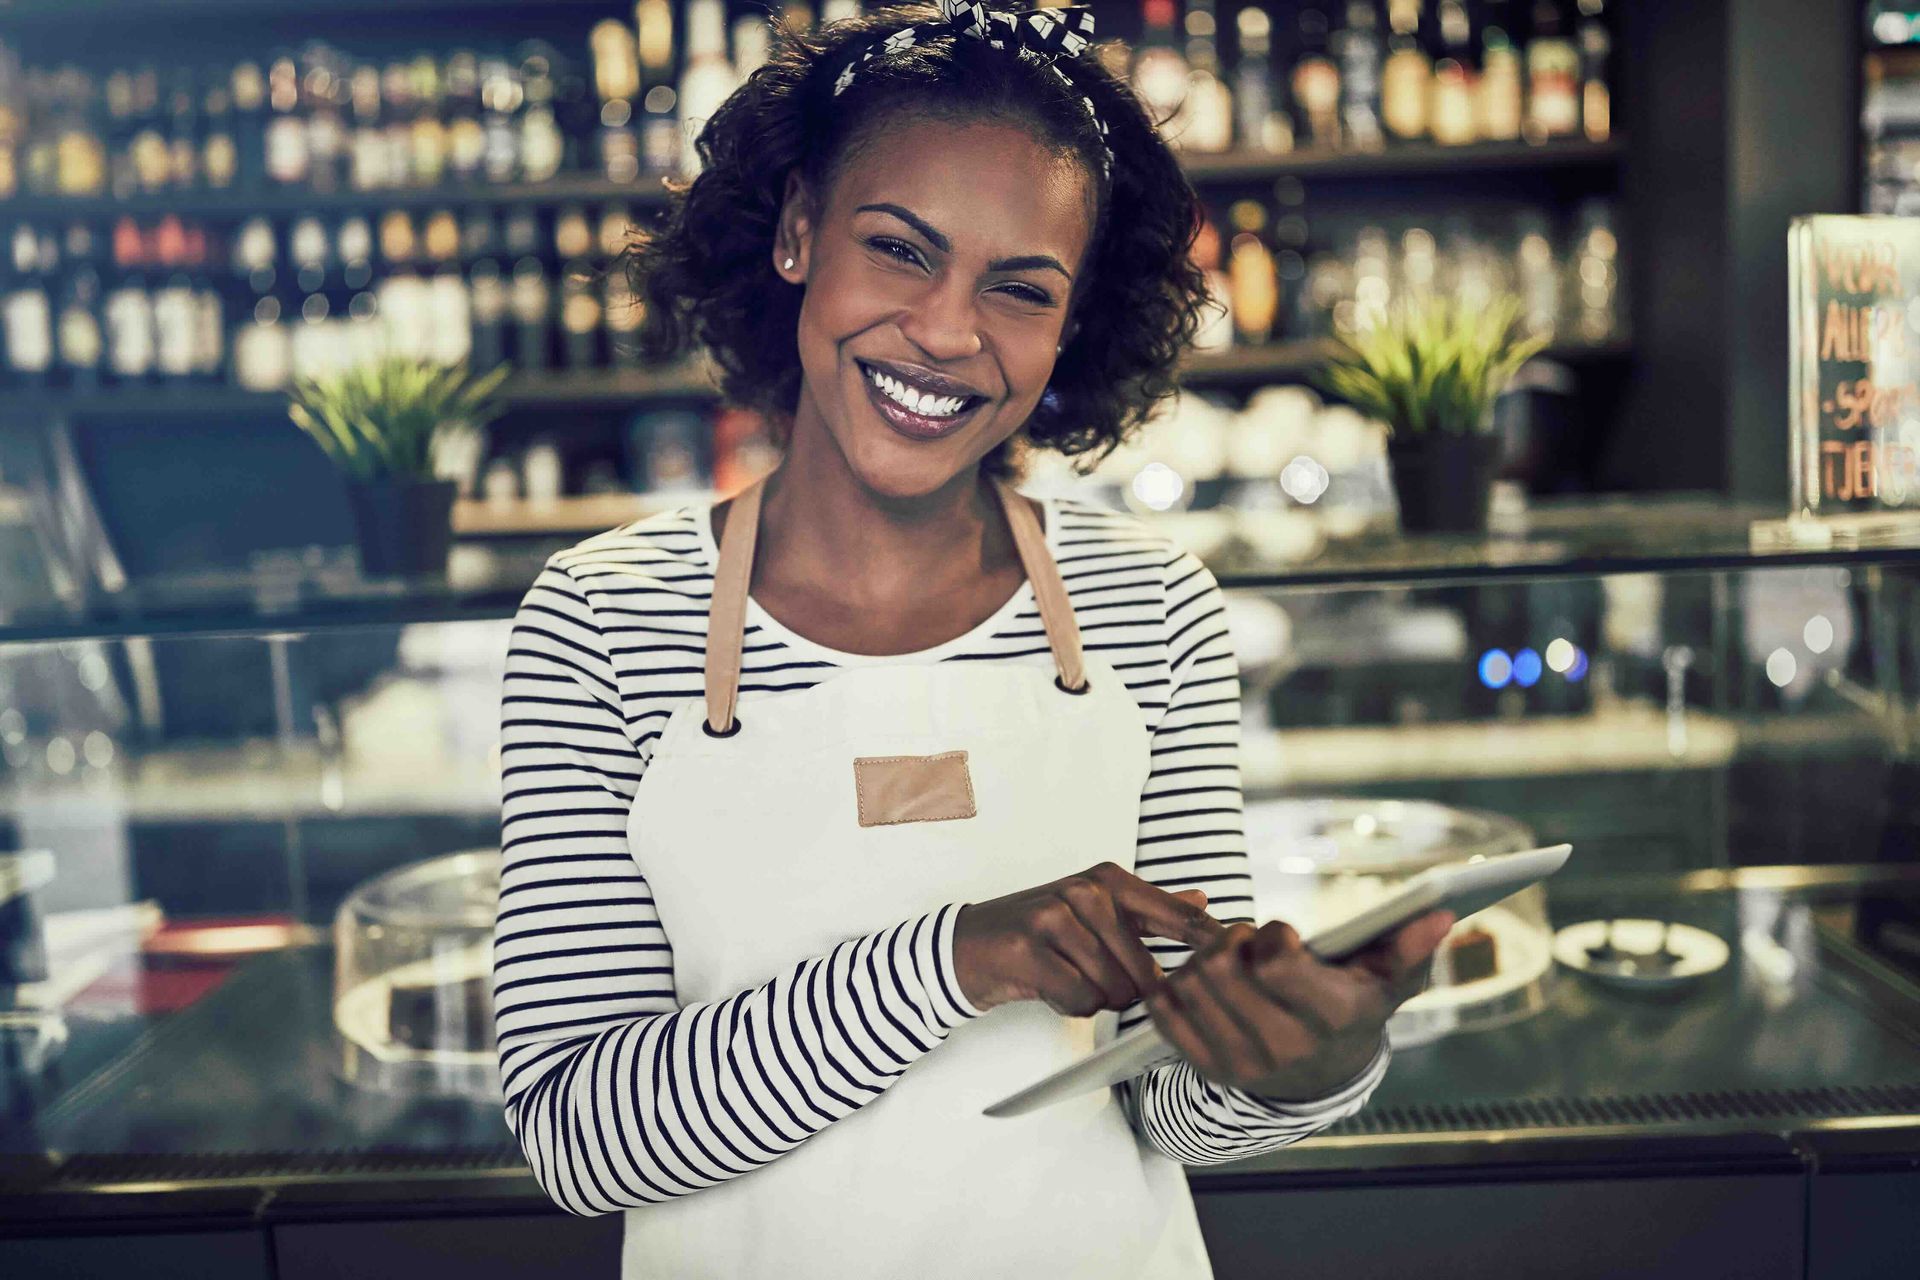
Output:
x,y
938,272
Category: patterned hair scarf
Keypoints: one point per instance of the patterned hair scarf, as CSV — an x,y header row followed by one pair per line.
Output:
x,y
1039,36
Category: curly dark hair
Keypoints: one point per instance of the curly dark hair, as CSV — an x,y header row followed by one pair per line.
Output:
x,y
704,272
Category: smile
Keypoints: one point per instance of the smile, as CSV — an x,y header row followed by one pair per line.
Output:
x,y
918,411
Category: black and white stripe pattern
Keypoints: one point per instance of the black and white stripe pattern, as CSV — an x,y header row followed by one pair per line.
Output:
x,y
619,1095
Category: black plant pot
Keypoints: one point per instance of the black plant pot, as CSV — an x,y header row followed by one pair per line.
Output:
x,y
1443,480
405,526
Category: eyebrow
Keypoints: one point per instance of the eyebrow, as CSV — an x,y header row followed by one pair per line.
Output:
x,y
1028,262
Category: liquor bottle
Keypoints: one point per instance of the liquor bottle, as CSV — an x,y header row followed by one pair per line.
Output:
x,y
1501,92
128,308
580,315
123,180
219,154
28,320
1254,287
183,131
616,74
1596,48
653,25
707,80
80,155
542,147
1451,112
248,88
309,249
660,130
152,162
262,356
77,330
367,152
467,136
286,132
209,310
397,108
1553,76
1316,80
1361,57
486,290
529,294
353,249
620,307
1406,81
500,96
576,114
13,122
1206,113
1159,71
173,303
1216,329
403,292
323,101
1260,116
429,132
1536,274
752,45
449,317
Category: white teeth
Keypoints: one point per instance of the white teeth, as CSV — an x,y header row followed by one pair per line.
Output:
x,y
926,404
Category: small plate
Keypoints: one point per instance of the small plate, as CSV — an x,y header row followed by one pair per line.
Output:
x,y
1700,952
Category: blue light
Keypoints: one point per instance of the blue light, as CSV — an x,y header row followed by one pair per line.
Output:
x,y
1578,671
1496,668
1526,668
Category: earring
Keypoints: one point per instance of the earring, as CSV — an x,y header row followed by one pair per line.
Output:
x,y
787,265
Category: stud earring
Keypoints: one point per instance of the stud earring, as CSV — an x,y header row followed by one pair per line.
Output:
x,y
787,265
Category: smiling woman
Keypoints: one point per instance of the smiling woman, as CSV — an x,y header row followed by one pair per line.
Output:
x,y
837,810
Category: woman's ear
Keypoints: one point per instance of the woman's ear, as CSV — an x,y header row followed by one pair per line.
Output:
x,y
793,233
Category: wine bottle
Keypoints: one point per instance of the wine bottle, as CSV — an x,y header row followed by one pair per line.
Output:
x,y
1316,80
1254,286
1596,49
209,308
248,88
183,131
1553,77
128,308
653,25
397,109
1451,110
1362,53
616,74
1206,119
286,132
468,139
1159,71
429,132
173,303
707,80
1406,81
1502,96
219,150
450,319
542,147
77,328
368,168
28,321
1260,117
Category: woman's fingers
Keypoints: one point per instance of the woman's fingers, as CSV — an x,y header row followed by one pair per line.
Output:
x,y
1153,912
1092,958
1217,997
1097,911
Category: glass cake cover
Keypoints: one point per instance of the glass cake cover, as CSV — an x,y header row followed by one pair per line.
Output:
x,y
413,1006
1317,861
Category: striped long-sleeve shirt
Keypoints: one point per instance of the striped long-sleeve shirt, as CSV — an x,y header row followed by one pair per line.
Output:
x,y
621,1095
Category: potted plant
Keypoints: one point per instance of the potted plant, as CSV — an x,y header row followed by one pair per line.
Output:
x,y
1430,369
383,422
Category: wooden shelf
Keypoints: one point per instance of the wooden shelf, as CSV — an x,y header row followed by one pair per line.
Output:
x,y
648,191
580,514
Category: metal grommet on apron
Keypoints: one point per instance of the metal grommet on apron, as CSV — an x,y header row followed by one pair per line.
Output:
x,y
878,794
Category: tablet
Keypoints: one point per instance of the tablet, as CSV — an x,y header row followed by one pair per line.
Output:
x,y
1461,887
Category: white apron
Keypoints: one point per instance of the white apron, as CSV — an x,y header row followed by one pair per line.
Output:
x,y
754,848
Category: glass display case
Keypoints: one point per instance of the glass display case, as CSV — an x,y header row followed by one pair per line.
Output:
x,y
251,836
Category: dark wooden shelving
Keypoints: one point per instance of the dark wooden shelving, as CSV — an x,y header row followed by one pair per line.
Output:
x,y
647,192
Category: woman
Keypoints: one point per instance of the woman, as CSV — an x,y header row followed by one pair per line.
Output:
x,y
840,809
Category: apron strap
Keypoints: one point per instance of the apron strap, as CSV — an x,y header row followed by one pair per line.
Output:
x,y
727,614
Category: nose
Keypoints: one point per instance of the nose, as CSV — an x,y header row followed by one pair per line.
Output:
x,y
943,321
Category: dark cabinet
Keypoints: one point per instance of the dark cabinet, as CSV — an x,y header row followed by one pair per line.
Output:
x,y
184,1255
497,1247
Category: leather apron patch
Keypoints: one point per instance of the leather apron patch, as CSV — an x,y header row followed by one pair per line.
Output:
x,y
913,788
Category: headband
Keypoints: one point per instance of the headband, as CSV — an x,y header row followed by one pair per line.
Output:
x,y
1038,36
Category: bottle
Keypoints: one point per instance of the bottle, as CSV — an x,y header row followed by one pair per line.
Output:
x,y
219,153
397,109
1594,275
429,131
77,327
580,315
183,131
262,348
1250,274
1406,80
1361,56
620,307
1452,113
286,132
486,290
1316,80
1260,117
1159,71
152,159
542,147
403,293
449,318
707,81
353,250
28,320
1216,329
616,75
1206,113
529,294
467,135
1536,274
752,45
173,303
248,88
500,97
1596,47
128,308
838,11
323,100
13,122
123,179
653,23
576,115
1501,93
367,152
209,336
1553,77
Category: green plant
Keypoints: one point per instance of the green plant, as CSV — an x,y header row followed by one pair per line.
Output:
x,y
1431,364
385,418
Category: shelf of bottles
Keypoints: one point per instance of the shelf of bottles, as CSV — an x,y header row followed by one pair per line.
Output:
x,y
221,231
1890,110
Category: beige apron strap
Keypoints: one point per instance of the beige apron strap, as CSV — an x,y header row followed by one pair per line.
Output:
x,y
1056,610
727,614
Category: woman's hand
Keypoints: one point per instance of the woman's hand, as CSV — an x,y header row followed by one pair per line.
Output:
x,y
1258,1011
1075,943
